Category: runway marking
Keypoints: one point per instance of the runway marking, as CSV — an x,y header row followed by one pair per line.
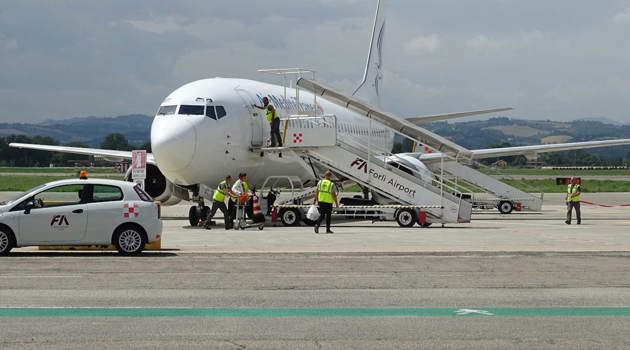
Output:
x,y
9,312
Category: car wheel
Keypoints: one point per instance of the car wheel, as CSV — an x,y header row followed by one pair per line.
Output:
x,y
406,218
129,240
290,216
505,207
6,241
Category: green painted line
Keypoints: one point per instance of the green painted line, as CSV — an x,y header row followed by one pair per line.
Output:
x,y
316,312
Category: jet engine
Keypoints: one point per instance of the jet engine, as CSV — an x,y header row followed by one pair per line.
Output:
x,y
159,187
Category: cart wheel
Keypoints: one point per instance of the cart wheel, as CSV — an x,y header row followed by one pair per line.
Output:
x,y
261,227
505,207
406,218
290,216
241,225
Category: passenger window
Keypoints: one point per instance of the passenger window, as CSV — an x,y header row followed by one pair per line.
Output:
x,y
167,110
59,196
190,110
220,112
105,193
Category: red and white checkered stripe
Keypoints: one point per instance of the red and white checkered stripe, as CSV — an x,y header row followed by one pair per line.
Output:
x,y
129,210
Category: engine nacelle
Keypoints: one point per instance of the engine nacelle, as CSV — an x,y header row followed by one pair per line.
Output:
x,y
158,186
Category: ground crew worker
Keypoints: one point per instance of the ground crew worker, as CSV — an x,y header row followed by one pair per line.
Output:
x,y
83,175
573,200
325,196
240,187
274,122
218,202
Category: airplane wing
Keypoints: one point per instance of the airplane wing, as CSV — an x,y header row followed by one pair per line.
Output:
x,y
533,150
425,119
109,155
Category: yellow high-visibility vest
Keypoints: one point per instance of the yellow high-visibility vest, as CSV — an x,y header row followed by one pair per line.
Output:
x,y
219,193
572,189
244,186
325,189
271,113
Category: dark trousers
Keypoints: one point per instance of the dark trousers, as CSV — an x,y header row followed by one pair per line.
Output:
x,y
231,212
578,215
218,206
276,138
325,209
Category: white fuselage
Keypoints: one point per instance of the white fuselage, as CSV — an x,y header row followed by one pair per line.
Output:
x,y
205,146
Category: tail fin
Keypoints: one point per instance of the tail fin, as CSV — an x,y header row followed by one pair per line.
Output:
x,y
369,89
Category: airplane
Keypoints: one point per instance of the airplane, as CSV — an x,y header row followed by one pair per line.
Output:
x,y
207,129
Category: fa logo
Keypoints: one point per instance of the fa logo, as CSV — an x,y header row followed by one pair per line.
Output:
x,y
59,220
361,164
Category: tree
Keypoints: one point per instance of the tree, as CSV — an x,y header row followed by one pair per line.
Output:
x,y
4,152
116,142
145,146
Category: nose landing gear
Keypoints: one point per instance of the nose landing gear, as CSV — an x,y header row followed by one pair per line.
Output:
x,y
198,212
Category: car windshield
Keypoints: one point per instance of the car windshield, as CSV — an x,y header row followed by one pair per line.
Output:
x,y
18,196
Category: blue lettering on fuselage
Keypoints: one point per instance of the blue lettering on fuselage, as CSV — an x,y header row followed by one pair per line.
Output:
x,y
291,104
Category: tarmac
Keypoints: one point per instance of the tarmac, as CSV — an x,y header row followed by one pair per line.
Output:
x,y
518,281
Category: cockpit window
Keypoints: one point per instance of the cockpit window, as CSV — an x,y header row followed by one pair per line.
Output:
x,y
210,112
220,112
191,110
167,110
215,112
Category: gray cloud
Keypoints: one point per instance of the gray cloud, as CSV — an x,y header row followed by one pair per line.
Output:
x,y
557,60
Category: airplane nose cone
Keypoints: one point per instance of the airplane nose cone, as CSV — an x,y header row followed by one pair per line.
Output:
x,y
173,142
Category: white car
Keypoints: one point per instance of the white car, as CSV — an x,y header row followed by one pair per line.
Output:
x,y
92,211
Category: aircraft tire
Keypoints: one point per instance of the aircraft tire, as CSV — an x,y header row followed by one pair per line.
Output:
x,y
193,216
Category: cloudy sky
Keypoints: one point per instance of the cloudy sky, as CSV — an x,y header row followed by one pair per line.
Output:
x,y
549,59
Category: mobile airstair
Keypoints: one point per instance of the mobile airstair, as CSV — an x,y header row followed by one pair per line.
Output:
x,y
504,197
387,176
452,163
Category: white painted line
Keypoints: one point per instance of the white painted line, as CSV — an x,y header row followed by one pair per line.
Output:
x,y
41,276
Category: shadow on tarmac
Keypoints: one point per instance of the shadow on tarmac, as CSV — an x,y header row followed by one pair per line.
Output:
x,y
147,254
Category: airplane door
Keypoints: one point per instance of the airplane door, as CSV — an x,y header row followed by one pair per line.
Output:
x,y
256,118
